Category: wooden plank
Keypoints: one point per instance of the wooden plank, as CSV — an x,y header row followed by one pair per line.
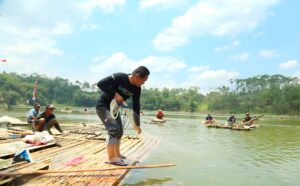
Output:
x,y
41,180
25,167
32,148
99,162
94,153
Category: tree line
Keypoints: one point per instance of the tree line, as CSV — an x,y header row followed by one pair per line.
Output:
x,y
274,94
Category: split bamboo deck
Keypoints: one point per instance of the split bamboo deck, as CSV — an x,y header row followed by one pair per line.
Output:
x,y
218,126
79,143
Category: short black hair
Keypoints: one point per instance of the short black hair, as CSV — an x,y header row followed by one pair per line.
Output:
x,y
142,71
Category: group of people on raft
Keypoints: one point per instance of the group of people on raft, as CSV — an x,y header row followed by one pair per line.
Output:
x,y
231,120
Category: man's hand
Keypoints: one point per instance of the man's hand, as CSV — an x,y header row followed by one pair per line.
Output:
x,y
138,129
33,127
118,98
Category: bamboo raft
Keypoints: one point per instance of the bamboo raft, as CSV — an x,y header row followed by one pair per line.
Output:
x,y
157,121
76,143
218,126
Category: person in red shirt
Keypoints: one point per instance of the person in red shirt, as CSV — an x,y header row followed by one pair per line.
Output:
x,y
160,114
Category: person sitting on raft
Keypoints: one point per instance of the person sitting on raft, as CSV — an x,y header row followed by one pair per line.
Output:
x,y
231,120
33,114
160,114
247,119
47,121
209,119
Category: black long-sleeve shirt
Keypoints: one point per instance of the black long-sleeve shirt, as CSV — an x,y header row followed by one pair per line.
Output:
x,y
119,82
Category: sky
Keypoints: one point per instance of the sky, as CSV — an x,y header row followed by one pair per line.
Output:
x,y
184,43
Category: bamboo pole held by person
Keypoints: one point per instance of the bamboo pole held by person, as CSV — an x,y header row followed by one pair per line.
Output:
x,y
84,170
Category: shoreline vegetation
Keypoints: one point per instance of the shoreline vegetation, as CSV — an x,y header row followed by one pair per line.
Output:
x,y
20,112
263,94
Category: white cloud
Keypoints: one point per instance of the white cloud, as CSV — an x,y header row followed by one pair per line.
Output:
x,y
164,72
267,53
240,57
31,31
211,79
196,69
221,48
144,4
62,28
120,62
167,42
117,62
217,18
217,74
90,26
28,66
234,44
163,64
289,64
160,67
106,6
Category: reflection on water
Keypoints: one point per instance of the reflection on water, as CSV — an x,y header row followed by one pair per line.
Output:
x,y
269,155
151,181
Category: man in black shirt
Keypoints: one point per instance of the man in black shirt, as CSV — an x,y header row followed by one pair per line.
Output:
x,y
47,120
119,86
248,120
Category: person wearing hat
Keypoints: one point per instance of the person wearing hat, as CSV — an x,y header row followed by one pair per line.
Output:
x,y
246,119
160,114
32,115
48,120
119,87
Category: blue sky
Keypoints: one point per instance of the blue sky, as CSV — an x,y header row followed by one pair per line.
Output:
x,y
184,43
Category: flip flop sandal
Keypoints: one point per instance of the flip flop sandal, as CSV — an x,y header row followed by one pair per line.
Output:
x,y
118,163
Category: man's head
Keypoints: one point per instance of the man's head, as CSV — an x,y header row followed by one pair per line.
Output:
x,y
50,107
247,114
37,106
140,75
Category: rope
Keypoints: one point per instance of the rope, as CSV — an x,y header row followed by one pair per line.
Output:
x,y
124,111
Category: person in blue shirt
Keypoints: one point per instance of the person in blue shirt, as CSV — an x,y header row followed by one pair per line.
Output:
x,y
32,115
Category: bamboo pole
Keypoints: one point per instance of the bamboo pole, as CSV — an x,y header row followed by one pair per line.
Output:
x,y
20,132
84,170
251,120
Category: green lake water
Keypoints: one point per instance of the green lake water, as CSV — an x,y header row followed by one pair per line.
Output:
x,y
268,155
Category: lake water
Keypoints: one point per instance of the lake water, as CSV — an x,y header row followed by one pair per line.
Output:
x,y
268,155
